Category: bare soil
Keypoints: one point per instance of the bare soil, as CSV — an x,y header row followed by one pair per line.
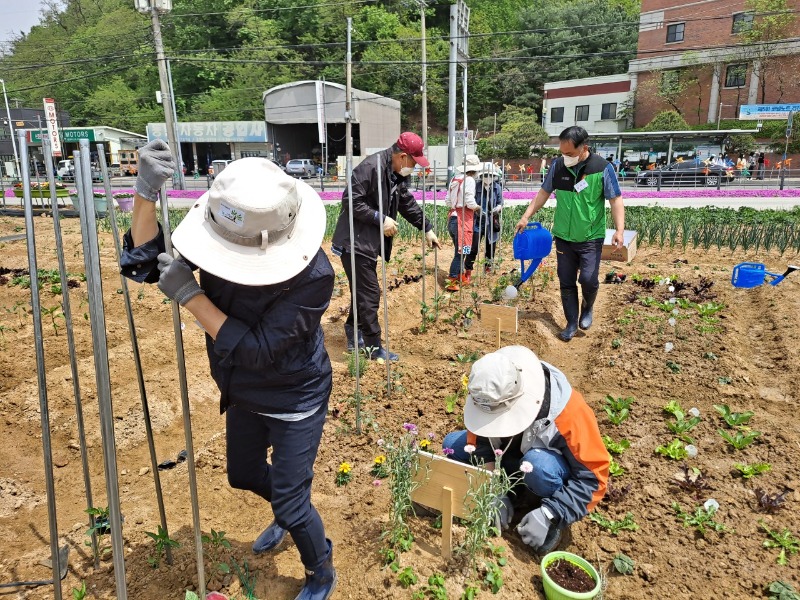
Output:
x,y
748,359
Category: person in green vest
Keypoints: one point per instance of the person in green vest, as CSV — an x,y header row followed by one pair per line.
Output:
x,y
582,182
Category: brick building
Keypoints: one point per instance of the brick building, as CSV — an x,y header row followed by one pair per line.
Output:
x,y
708,57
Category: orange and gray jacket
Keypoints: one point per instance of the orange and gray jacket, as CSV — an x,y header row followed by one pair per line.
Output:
x,y
570,428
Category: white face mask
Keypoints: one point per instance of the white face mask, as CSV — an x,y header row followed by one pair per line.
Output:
x,y
406,171
487,183
570,161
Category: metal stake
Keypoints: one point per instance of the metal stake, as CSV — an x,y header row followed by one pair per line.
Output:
x,y
435,249
94,285
383,271
38,337
73,362
185,409
423,235
137,361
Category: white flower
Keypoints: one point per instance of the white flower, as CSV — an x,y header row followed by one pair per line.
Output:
x,y
526,467
711,504
469,448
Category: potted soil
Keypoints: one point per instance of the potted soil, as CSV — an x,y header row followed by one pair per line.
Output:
x,y
567,576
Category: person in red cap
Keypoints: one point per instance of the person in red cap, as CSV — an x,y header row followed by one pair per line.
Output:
x,y
396,165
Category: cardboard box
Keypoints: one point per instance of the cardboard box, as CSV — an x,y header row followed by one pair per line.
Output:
x,y
624,254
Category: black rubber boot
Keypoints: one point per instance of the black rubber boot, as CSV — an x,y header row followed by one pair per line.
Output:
x,y
348,332
569,301
320,582
270,538
587,306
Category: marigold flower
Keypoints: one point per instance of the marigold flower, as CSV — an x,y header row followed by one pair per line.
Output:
x,y
345,468
379,460
424,444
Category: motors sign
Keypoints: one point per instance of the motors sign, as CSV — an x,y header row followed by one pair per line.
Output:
x,y
52,125
767,112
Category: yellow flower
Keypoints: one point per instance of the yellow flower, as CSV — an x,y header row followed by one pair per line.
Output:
x,y
424,444
344,468
464,381
379,460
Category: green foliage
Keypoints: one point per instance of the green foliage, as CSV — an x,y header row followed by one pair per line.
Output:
x,y
788,543
617,409
79,593
780,590
615,469
363,361
163,542
750,471
99,529
733,419
674,450
614,527
623,564
406,577
520,136
615,447
247,579
494,577
402,463
668,120
702,519
741,439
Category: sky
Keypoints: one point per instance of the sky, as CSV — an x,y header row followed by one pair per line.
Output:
x,y
18,15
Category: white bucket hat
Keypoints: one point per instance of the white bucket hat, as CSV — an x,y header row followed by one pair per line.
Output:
x,y
255,226
506,390
471,162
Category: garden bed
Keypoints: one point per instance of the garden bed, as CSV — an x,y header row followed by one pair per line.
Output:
x,y
743,354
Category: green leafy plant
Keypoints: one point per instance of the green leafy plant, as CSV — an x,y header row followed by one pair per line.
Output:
x,y
363,361
435,588
163,541
470,592
681,424
493,578
623,564
780,590
709,308
79,593
741,439
702,519
468,358
618,409
615,469
673,407
674,450
784,540
615,447
217,543
343,474
247,579
402,463
733,419
406,577
673,366
616,343
751,470
53,313
627,523
99,530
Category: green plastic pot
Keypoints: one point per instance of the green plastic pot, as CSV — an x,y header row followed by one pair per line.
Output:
x,y
553,591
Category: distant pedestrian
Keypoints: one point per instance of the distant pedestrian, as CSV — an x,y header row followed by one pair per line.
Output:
x,y
760,172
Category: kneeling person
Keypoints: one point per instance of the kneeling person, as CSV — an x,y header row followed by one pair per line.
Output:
x,y
525,411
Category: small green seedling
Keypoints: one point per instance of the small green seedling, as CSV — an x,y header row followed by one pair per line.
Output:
x,y
733,419
615,447
750,471
247,579
615,469
673,366
470,592
618,409
673,407
701,519
614,526
708,309
740,440
163,541
100,528
79,593
623,564
681,425
494,577
406,577
784,540
468,358
674,450
780,590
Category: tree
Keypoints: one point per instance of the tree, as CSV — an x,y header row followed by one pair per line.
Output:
x,y
773,20
520,135
668,120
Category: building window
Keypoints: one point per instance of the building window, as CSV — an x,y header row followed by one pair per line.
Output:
x,y
742,22
582,113
675,32
557,114
609,111
735,75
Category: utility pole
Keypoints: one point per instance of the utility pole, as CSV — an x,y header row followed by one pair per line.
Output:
x,y
153,8
11,128
459,52
176,134
424,78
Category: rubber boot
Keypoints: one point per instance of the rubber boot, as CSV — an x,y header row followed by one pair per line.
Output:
x,y
569,301
270,538
466,277
452,284
587,306
320,582
381,353
348,332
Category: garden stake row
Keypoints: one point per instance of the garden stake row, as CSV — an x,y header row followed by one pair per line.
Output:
x,y
424,221
137,361
187,417
461,233
40,368
97,320
73,362
383,288
435,249
491,202
348,137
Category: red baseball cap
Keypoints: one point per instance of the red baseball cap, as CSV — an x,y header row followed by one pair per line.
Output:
x,y
412,144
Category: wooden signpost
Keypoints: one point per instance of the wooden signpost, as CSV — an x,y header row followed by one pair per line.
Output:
x,y
444,485
500,318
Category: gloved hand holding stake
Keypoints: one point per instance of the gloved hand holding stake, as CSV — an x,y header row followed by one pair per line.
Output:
x,y
177,280
155,168
497,209
533,528
433,241
389,226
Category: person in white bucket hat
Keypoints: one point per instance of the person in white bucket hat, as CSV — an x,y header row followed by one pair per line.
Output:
x,y
264,286
523,412
460,218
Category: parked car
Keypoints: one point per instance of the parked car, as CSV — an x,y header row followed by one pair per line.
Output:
x,y
301,167
687,172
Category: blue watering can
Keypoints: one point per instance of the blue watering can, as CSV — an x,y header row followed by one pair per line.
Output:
x,y
533,244
750,275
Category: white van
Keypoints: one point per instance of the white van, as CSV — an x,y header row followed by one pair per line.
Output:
x,y
65,167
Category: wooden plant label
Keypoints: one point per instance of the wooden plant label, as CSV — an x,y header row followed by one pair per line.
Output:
x,y
444,485
500,318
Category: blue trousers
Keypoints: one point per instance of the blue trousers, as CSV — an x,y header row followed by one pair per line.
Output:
x,y
550,469
286,481
579,261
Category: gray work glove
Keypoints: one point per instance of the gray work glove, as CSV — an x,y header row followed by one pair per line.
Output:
x,y
497,209
505,511
533,528
177,280
155,168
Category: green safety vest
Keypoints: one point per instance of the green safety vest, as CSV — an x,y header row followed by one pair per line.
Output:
x,y
580,216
